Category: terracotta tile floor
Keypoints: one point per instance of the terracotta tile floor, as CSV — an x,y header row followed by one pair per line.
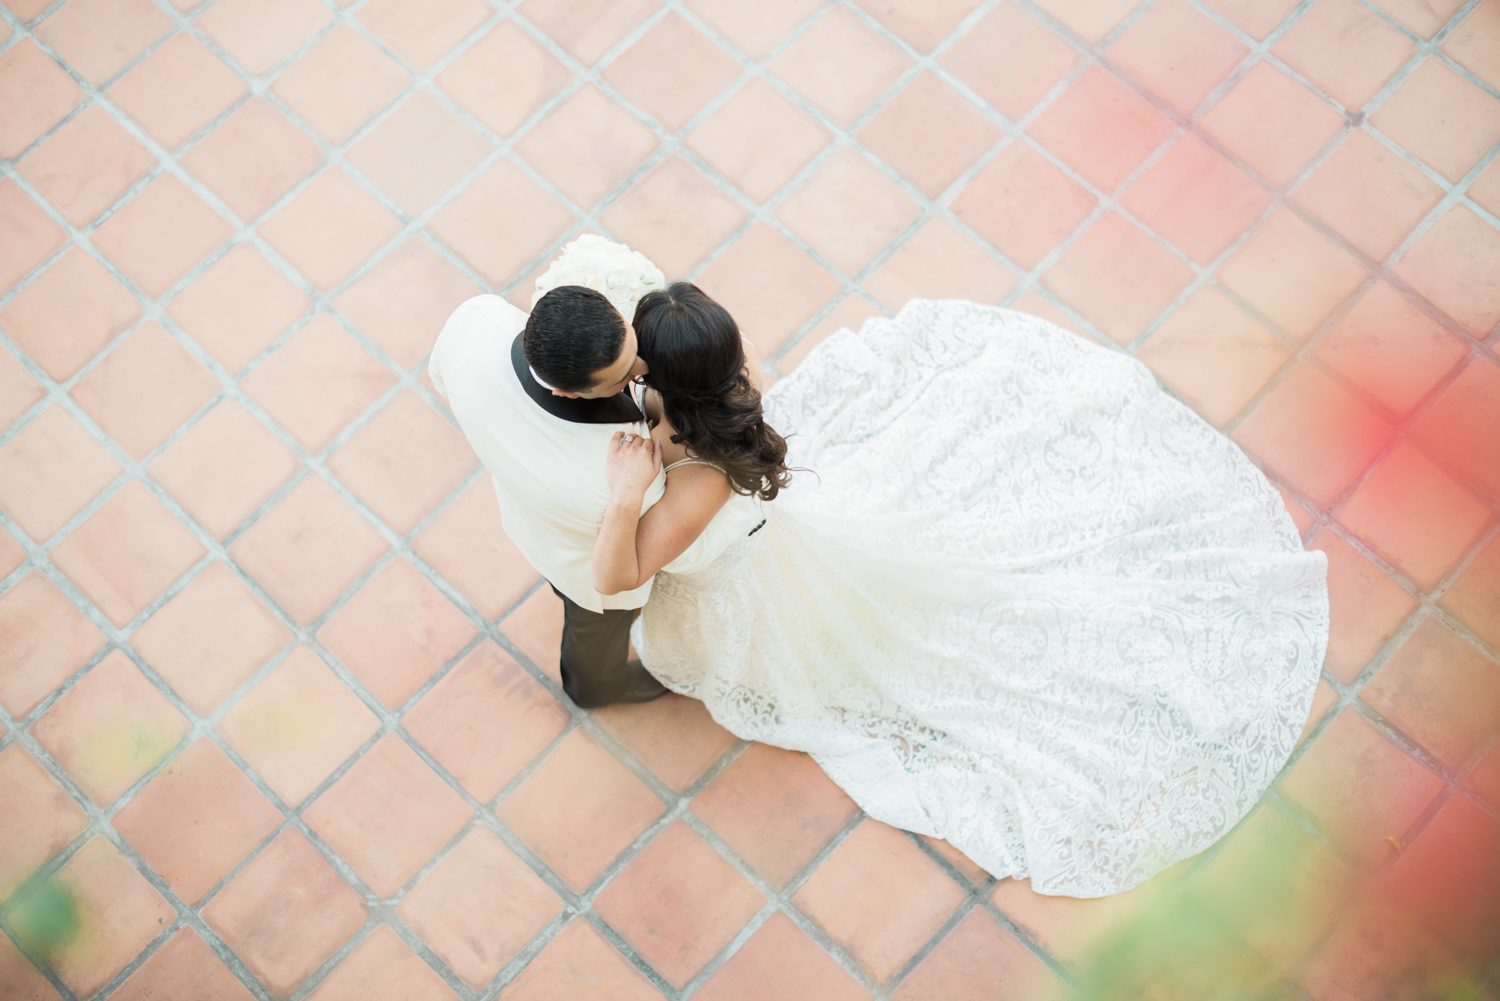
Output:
x,y
279,707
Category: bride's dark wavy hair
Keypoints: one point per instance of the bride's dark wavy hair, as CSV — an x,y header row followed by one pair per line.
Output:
x,y
697,363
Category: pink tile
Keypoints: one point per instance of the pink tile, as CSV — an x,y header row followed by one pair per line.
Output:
x,y
920,23
161,234
1346,49
68,314
965,865
1380,952
1271,122
1365,607
671,72
258,34
929,133
238,306
51,94
504,78
1424,17
418,152
578,963
535,628
587,28
1450,879
402,302
1364,172
1451,142
1463,427
19,391
467,544
422,32
340,83
41,820
978,960
674,215
503,197
779,960
756,26
45,639
396,632
1475,596
1485,778
1452,264
1178,53
49,471
587,146
31,237
851,312
939,262
1196,199
1010,59
1485,189
11,555
98,38
1023,204
1071,929
848,210
674,736
1292,273
382,965
1470,43
177,90
1324,699
1101,128
841,65
758,139
297,725
86,165
330,228
253,158
1091,20
1117,277
184,967
1255,17
760,259
1390,348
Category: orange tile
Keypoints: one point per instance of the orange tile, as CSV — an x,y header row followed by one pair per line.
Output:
x,y
68,314
579,963
160,234
485,720
1471,43
86,165
387,815
920,23
1365,607
1010,59
579,810
776,809
209,638
1451,263
308,549
31,237
110,728
49,470
1271,122
258,34
253,158
40,819
1324,698
965,865
317,382
1196,199
1178,53
587,28
841,65
978,960
238,306
285,913
11,557
1390,348
671,72
1485,778
97,38
1023,204
1424,17
1117,277
297,725
760,259
674,215
396,632
755,26
1091,20
1450,879
177,90
329,228
402,302
929,133
467,544
1101,128
851,312
1292,273
503,197
1475,596
504,78
418,152
1460,428
848,210
44,638
18,977
1380,951
674,736
758,139
536,630
224,468
780,961
939,262
382,965
1346,49
184,967
1485,189
19,391
1255,17
480,883
587,146
422,32
340,83
1214,355
1451,142
145,389
1070,929
50,95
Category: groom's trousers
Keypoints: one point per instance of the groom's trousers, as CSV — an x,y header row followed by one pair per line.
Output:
x,y
594,660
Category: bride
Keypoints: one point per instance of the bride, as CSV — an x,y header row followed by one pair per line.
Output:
x,y
1003,589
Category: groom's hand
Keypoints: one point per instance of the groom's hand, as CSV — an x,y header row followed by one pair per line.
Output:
x,y
632,464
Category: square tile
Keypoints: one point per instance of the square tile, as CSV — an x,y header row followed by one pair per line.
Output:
x,y
480,883
285,913
678,903
760,259
110,728
86,165
920,23
1413,514
1101,128
382,965
68,314
467,544
19,391
1365,607
1485,778
177,90
49,470
579,962
253,158
776,809
504,78
1023,204
674,736
402,302
1196,199
1010,59
1291,273
965,865
879,898
671,72
1463,426
1346,49
939,262
758,139
317,382
31,237
535,629
1072,930
422,32
1178,53
755,26
504,199
1424,17
1271,122
848,210
1363,172
396,632
1091,20
1450,879
587,28
340,83
297,725
45,639
50,92
1475,596
184,967
329,228
209,638
1450,142
260,34
98,38
127,553
1470,44
485,720
41,819
587,145
1453,264
308,549
1485,189
1117,277
841,65
160,234
929,133
579,810
1254,17
978,960
418,152
1379,951
674,215
779,960
237,307
387,815
1214,355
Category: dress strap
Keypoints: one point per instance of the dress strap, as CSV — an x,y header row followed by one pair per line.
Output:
x,y
693,462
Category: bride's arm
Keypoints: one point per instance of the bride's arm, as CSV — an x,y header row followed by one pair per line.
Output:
x,y
630,548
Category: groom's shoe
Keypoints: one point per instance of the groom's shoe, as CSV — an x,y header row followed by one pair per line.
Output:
x,y
644,687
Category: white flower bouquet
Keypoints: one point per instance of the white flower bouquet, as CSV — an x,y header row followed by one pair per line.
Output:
x,y
622,275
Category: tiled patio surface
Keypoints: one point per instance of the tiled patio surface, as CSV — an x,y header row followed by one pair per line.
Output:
x,y
279,702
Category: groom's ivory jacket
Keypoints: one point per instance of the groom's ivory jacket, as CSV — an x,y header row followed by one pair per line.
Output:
x,y
545,453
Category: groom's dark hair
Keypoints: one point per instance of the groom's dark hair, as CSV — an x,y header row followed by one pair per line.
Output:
x,y
572,333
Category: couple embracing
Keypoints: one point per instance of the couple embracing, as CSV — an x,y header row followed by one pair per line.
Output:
x,y
1001,587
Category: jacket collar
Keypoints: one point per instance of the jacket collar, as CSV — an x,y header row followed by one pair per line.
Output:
x,y
617,409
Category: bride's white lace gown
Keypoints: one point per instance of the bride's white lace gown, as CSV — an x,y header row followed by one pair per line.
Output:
x,y
1025,601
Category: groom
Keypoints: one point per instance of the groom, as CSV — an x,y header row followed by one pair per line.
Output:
x,y
538,398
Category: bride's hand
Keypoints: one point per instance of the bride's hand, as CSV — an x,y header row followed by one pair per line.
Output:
x,y
632,464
